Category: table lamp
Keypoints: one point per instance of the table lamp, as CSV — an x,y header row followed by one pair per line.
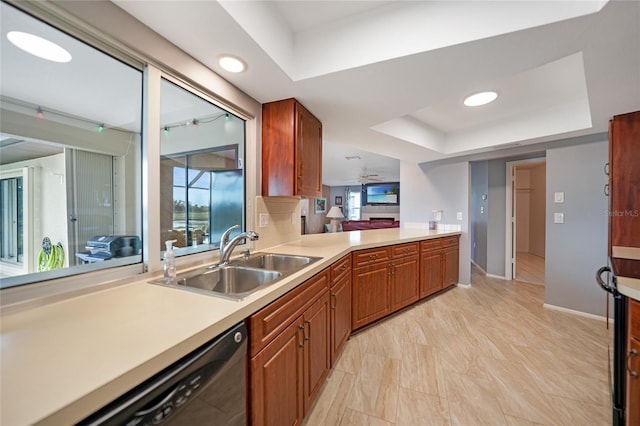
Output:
x,y
334,214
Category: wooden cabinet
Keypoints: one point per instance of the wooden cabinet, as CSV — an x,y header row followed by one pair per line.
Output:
x,y
632,414
289,353
450,260
385,279
624,194
340,305
291,150
439,264
370,294
404,282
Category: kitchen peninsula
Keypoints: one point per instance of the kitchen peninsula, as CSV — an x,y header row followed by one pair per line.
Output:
x,y
64,360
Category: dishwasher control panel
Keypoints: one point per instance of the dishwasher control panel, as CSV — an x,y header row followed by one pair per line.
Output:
x,y
162,408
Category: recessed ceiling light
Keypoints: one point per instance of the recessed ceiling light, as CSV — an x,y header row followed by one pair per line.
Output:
x,y
482,98
38,46
232,64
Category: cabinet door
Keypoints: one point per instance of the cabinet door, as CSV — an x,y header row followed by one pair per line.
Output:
x,y
450,256
316,348
624,197
276,380
430,273
370,294
632,414
309,153
340,315
404,286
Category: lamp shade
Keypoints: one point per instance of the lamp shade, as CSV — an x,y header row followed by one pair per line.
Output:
x,y
335,213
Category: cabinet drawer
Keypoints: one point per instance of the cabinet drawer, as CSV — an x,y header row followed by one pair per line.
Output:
x,y
449,241
402,250
340,268
634,318
370,256
431,245
267,323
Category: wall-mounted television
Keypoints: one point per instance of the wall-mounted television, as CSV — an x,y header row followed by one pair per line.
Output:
x,y
382,194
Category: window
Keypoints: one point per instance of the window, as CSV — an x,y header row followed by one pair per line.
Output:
x,y
11,233
202,188
353,204
73,132
207,196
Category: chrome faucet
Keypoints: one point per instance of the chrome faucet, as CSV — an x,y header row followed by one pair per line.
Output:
x,y
227,246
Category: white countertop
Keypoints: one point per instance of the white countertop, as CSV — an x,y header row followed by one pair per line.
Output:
x,y
630,287
63,361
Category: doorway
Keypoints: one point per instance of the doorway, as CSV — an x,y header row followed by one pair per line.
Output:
x,y
526,208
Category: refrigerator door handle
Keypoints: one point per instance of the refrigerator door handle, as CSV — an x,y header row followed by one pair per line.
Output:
x,y
605,286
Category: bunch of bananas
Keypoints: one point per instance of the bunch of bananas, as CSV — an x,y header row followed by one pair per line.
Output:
x,y
51,256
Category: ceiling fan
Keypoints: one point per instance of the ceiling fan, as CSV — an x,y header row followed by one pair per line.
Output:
x,y
366,177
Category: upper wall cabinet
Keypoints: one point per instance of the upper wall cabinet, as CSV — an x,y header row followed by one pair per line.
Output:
x,y
291,150
624,190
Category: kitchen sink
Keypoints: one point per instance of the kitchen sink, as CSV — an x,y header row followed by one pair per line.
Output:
x,y
277,262
241,277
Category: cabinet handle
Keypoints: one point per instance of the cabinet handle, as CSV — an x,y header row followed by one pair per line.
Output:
x,y
632,353
343,268
335,301
301,344
606,169
606,189
307,337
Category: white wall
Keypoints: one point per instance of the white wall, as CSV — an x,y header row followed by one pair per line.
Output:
x,y
578,247
443,186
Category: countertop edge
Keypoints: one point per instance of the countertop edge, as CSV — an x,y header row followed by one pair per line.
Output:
x,y
629,287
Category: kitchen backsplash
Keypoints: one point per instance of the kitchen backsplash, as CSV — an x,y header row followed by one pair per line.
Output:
x,y
282,215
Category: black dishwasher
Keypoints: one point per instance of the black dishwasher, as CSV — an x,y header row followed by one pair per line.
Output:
x,y
206,387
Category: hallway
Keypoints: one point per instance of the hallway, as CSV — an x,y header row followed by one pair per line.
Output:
x,y
529,268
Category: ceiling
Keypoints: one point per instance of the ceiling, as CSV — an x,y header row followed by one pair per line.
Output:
x,y
387,78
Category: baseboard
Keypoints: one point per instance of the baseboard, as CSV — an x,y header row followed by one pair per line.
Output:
x,y
463,285
479,267
500,277
574,312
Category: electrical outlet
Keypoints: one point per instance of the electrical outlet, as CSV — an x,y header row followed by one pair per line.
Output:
x,y
459,215
264,220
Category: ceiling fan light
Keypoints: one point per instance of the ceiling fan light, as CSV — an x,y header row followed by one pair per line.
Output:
x,y
38,46
480,99
232,64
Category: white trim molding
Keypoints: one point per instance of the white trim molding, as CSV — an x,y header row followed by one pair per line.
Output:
x,y
574,312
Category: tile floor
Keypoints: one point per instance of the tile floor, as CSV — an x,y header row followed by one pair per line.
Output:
x,y
485,355
529,268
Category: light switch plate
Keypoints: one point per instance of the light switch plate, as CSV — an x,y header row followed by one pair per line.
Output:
x,y
558,197
264,220
558,218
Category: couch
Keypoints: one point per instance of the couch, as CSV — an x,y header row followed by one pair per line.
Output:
x,y
362,225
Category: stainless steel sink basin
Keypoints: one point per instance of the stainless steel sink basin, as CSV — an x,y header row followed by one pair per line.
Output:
x,y
241,277
277,262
